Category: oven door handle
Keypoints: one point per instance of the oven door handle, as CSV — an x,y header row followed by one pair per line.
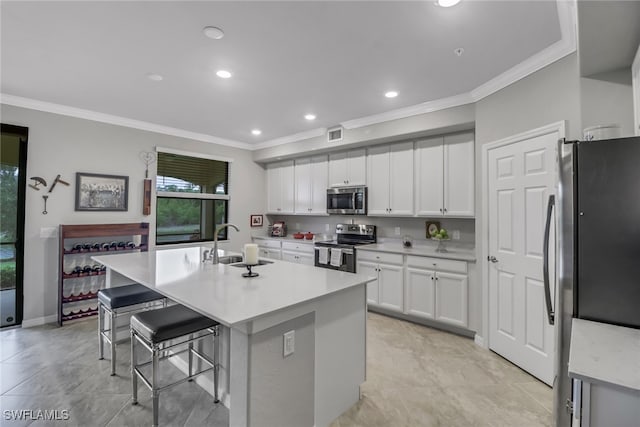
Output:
x,y
344,251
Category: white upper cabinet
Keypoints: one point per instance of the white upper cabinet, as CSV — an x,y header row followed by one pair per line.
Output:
x,y
445,178
311,180
348,168
390,179
280,188
635,75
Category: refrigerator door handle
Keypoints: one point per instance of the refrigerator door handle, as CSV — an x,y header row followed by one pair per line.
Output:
x,y
545,259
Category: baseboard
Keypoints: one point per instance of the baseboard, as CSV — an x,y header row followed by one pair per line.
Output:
x,y
29,323
425,322
479,341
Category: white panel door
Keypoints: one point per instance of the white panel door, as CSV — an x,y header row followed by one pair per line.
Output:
x,y
429,177
459,177
370,269
401,179
338,169
274,192
378,179
419,293
357,167
302,172
520,178
391,287
451,298
319,180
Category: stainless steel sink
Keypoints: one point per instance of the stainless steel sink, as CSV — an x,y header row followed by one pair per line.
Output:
x,y
230,259
260,262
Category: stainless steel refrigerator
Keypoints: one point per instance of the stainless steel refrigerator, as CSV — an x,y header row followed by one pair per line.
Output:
x,y
597,217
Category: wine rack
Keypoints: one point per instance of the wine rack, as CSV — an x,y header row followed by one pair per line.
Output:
x,y
79,277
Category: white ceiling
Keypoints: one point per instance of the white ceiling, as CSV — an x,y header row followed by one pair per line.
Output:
x,y
335,59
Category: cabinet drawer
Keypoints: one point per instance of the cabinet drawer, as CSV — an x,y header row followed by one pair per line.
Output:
x,y
383,257
268,243
438,264
297,247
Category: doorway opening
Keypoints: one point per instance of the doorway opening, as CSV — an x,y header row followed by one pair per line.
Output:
x,y
13,165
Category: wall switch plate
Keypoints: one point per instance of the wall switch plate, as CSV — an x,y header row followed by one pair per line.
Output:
x,y
298,226
48,232
397,231
326,227
289,343
455,234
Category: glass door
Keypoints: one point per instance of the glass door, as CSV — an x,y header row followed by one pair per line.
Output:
x,y
13,161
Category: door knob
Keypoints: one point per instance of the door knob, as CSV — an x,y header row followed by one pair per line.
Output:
x,y
492,259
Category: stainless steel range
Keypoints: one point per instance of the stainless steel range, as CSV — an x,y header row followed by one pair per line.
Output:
x,y
340,254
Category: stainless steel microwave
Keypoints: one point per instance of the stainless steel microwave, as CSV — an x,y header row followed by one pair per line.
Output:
x,y
347,200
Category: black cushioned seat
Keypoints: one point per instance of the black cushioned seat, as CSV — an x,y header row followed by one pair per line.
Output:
x,y
169,323
124,296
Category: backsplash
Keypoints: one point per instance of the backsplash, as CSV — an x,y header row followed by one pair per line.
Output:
x,y
415,227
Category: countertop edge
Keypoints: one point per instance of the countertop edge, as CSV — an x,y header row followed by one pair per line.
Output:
x,y
419,252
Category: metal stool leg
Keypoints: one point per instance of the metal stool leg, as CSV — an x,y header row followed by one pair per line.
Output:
x,y
100,331
216,363
154,385
112,333
190,358
134,375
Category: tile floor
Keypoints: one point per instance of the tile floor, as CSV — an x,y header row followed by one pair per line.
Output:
x,y
417,376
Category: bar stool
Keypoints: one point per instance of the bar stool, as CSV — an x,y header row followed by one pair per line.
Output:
x,y
116,302
154,330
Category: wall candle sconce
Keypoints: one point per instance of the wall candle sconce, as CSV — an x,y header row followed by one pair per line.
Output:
x,y
147,158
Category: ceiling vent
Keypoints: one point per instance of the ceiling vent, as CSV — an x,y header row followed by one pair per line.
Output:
x,y
335,134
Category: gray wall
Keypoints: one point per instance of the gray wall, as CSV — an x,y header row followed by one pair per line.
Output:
x,y
608,99
434,123
65,145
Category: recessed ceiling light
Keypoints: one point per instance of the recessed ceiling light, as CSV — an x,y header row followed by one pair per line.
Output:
x,y
256,132
155,77
213,32
459,51
223,74
310,116
447,3
391,94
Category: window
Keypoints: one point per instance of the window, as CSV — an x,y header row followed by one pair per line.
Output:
x,y
193,197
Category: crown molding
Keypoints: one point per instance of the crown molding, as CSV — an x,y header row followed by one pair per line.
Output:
x,y
290,138
49,107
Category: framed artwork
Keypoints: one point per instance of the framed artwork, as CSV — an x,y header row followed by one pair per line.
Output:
x,y
256,220
432,228
96,192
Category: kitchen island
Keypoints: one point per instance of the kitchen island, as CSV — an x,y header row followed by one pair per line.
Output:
x,y
261,386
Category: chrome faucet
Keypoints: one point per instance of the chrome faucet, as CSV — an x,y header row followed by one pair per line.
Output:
x,y
213,255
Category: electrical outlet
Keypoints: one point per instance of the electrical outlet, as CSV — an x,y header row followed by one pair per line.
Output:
x,y
326,227
455,234
289,343
298,226
397,231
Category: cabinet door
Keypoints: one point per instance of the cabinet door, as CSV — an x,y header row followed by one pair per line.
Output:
x,y
287,183
378,179
391,287
370,269
338,169
306,259
401,179
303,179
451,298
289,256
357,167
429,177
319,184
270,253
420,293
459,178
274,195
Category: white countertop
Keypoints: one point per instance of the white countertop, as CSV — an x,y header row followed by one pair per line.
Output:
x,y
289,238
457,253
219,291
606,354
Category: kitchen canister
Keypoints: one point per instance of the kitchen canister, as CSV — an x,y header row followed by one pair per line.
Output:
x,y
610,131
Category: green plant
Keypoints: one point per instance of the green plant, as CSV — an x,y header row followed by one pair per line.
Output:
x,y
7,275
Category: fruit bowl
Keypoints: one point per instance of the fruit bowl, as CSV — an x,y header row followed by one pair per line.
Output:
x,y
298,235
441,243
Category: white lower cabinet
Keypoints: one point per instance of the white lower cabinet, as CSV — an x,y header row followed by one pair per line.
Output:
x,y
451,298
420,293
299,253
269,248
388,290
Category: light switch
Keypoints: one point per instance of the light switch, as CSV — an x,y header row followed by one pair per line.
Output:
x,y
289,343
48,232
456,234
397,231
